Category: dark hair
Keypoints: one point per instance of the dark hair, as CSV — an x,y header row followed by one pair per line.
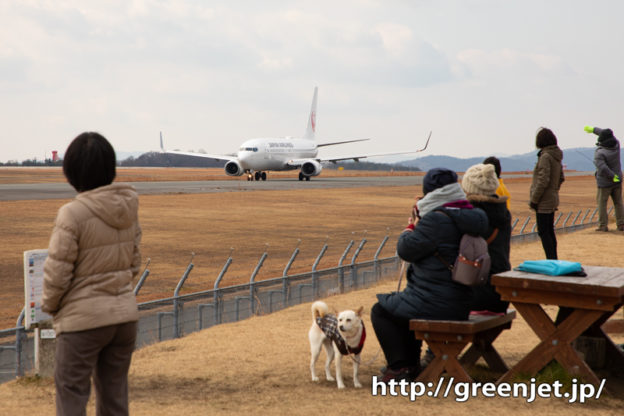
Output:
x,y
89,162
545,137
493,160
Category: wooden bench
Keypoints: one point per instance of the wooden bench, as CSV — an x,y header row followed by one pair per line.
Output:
x,y
447,339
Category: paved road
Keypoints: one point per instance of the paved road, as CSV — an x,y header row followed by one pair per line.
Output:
x,y
38,191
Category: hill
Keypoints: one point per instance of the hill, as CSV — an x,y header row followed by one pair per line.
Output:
x,y
579,159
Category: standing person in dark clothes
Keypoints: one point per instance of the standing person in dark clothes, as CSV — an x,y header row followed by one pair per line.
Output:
x,y
544,194
430,293
502,189
480,184
608,177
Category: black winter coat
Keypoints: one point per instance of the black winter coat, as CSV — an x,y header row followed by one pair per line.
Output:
x,y
430,293
485,297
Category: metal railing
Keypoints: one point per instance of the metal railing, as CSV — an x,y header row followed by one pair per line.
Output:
x,y
181,314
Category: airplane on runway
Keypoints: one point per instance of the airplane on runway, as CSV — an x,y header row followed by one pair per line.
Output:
x,y
257,156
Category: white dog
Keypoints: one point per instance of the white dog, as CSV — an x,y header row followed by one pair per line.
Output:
x,y
340,335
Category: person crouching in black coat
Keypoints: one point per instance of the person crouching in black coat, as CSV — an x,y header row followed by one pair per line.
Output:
x,y
445,215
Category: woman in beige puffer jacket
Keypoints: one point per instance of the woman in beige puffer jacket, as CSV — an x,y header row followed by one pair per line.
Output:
x,y
93,257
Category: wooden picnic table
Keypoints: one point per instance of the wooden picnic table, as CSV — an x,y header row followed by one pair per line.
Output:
x,y
593,299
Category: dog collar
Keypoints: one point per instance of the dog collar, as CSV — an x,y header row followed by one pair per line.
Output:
x,y
358,349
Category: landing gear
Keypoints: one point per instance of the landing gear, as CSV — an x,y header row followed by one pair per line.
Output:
x,y
302,177
257,176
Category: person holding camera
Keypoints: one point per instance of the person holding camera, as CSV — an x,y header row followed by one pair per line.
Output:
x,y
608,177
443,215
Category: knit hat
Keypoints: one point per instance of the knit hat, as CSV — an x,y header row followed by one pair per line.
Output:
x,y
480,179
605,134
437,178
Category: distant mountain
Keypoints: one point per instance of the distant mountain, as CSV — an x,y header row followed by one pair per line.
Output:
x,y
580,159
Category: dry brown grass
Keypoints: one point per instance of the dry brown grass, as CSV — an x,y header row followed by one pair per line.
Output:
x,y
211,224
260,366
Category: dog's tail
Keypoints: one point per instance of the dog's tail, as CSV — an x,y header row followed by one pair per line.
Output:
x,y
319,309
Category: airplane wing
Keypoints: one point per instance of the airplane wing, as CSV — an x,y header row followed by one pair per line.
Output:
x,y
204,155
342,142
357,158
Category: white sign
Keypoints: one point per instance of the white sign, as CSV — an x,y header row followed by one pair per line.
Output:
x,y
33,286
48,334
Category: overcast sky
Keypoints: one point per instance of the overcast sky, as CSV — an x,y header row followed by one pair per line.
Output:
x,y
483,75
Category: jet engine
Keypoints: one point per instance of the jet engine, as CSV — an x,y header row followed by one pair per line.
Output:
x,y
311,168
233,168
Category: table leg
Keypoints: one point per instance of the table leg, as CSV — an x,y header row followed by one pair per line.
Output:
x,y
555,342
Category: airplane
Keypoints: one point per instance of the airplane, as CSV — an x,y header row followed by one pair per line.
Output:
x,y
257,156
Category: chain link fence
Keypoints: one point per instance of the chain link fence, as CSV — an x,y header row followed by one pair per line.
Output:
x,y
179,315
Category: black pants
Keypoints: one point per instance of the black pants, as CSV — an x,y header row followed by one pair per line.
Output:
x,y
546,232
400,347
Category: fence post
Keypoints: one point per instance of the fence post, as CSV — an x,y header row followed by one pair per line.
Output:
x,y
376,257
576,218
146,272
252,286
217,293
315,277
557,220
566,220
353,269
19,334
585,217
177,305
341,269
525,224
285,283
514,224
593,215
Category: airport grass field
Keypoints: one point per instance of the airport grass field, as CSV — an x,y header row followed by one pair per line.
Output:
x,y
260,365
211,225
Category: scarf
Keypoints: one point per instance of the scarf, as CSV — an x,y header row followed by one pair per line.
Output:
x,y
441,196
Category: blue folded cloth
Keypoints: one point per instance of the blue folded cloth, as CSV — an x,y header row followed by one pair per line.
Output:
x,y
552,267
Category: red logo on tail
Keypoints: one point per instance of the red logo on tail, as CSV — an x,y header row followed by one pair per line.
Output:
x,y
313,120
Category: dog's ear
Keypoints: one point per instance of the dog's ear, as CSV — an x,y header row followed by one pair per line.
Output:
x,y
359,311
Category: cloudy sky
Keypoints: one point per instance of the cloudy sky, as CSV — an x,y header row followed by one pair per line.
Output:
x,y
483,75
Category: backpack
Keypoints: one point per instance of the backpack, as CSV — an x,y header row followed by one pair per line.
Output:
x,y
472,265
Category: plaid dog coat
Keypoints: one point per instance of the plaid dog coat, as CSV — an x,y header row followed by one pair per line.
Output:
x,y
329,326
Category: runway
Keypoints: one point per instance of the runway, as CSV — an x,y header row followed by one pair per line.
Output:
x,y
39,191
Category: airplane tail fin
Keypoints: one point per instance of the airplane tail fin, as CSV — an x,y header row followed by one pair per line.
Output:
x,y
162,148
309,134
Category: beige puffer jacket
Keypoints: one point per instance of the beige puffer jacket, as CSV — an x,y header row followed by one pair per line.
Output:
x,y
93,257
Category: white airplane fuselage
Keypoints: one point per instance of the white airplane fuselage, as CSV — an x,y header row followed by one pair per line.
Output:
x,y
264,154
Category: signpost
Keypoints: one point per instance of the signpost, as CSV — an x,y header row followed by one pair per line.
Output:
x,y
33,291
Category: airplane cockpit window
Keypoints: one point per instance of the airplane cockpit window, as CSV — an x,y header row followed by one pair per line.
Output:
x,y
255,149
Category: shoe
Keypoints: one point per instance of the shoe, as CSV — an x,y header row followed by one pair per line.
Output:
x,y
602,229
405,373
427,358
